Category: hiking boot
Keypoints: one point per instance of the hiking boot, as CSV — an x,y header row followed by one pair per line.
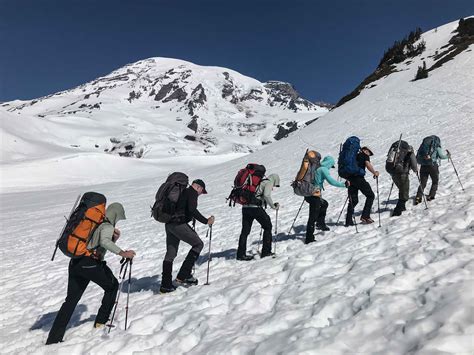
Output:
x,y
349,224
309,240
244,257
366,220
99,325
264,255
397,212
322,227
190,281
167,289
430,198
417,201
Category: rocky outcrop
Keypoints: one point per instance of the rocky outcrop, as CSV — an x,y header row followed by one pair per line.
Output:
x,y
284,94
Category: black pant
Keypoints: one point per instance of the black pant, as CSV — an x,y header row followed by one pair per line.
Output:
x,y
175,232
427,171
359,183
317,213
81,271
248,216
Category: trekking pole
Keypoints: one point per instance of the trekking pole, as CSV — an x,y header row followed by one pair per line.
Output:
x,y
292,225
209,231
378,197
64,228
128,291
261,240
276,232
389,194
422,192
451,160
353,217
340,149
123,268
340,214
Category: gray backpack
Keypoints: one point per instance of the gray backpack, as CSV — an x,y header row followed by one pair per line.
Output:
x,y
165,207
303,183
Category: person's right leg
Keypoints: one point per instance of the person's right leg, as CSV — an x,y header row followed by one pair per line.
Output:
x,y
403,189
366,190
321,219
103,276
353,192
172,245
75,288
185,233
424,174
434,174
314,205
247,221
263,218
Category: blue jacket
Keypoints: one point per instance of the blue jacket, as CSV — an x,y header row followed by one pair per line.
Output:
x,y
322,173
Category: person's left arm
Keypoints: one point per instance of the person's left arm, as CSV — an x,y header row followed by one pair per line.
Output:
x,y
370,167
192,208
441,154
106,240
327,176
267,194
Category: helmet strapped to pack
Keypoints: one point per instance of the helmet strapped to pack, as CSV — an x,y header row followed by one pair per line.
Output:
x,y
303,185
426,154
397,158
165,207
245,185
85,219
347,162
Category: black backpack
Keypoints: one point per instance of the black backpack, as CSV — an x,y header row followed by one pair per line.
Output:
x,y
166,199
397,158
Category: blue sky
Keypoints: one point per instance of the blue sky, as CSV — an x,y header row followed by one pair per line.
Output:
x,y
324,48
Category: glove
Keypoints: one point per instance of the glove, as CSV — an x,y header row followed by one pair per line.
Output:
x,y
347,183
276,205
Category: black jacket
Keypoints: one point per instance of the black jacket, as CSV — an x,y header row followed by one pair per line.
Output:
x,y
187,203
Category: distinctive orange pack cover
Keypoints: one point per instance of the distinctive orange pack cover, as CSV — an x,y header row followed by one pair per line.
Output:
x,y
88,215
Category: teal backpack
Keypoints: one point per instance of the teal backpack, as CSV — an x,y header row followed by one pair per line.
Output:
x,y
427,154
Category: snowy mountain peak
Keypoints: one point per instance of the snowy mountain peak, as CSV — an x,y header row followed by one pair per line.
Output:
x,y
161,107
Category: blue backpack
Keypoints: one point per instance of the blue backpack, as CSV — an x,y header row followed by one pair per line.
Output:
x,y
427,154
347,163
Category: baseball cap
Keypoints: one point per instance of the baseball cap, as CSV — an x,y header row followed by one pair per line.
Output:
x,y
202,184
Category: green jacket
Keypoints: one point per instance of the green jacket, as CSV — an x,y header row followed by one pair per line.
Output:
x,y
102,239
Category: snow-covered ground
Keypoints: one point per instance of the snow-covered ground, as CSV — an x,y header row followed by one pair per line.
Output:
x,y
406,287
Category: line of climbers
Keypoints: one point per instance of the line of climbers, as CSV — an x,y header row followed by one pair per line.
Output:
x,y
91,229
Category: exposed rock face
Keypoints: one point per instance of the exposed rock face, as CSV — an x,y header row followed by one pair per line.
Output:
x,y
285,129
285,94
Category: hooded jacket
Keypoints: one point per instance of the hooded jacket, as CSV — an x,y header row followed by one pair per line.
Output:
x,y
322,173
102,239
264,190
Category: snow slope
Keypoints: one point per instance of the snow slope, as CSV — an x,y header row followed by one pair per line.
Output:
x,y
406,287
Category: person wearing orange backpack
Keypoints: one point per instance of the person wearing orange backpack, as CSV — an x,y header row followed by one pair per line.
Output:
x,y
92,267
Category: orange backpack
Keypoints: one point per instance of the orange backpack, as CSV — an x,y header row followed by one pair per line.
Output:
x,y
81,225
